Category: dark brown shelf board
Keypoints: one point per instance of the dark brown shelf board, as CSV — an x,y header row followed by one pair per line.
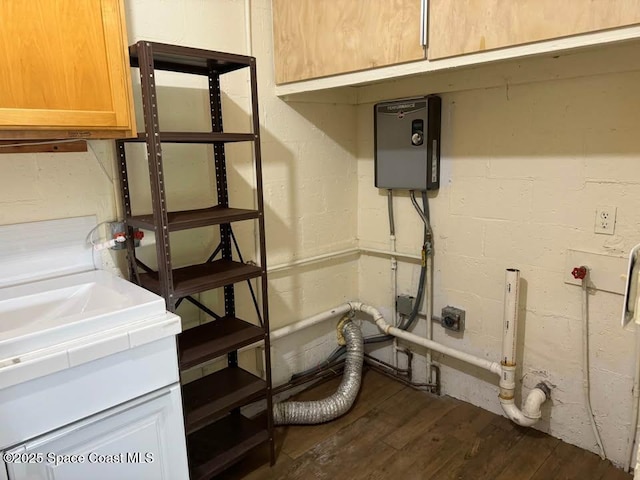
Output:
x,y
202,217
190,60
196,137
213,396
213,339
203,277
219,445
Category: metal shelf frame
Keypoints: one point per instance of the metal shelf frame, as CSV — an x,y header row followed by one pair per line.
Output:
x,y
177,285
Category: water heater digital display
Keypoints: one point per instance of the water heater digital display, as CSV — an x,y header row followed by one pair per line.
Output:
x,y
407,144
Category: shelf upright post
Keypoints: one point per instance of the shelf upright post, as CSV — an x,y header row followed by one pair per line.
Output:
x,y
215,103
263,251
126,205
156,174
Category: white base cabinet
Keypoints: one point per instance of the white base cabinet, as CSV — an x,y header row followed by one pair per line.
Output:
x,y
140,440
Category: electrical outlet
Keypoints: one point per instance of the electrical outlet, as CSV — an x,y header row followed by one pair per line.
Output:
x,y
605,220
452,318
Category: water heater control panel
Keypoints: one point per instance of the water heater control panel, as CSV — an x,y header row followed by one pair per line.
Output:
x,y
407,144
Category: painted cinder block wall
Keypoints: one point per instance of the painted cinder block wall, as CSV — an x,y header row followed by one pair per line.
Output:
x,y
308,153
309,172
310,182
523,169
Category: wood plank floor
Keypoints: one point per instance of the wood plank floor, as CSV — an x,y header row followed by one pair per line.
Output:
x,y
395,432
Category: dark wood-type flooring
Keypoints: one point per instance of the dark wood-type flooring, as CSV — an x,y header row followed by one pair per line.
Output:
x,y
396,432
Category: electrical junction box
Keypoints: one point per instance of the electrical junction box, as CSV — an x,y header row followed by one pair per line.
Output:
x,y
407,144
404,304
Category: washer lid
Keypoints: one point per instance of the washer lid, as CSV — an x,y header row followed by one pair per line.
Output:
x,y
39,250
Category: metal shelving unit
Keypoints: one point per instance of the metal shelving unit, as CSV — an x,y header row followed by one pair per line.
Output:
x,y
217,433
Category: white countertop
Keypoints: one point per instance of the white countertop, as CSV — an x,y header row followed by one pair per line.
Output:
x,y
58,323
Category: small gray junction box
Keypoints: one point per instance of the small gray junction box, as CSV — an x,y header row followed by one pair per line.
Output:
x,y
407,144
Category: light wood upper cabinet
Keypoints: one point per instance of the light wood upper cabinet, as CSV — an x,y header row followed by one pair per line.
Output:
x,y
468,26
316,38
64,69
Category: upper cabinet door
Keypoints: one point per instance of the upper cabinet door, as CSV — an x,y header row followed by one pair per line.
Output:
x,y
316,38
468,26
64,69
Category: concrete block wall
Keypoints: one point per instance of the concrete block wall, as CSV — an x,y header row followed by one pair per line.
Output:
x,y
523,170
309,172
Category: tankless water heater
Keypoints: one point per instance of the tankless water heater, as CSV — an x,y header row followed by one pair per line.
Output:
x,y
407,144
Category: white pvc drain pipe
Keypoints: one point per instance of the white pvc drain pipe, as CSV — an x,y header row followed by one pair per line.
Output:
x,y
505,369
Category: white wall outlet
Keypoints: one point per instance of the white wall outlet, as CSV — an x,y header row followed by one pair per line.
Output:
x,y
605,220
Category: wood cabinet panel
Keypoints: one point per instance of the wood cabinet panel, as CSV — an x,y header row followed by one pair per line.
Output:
x,y
316,38
64,66
467,26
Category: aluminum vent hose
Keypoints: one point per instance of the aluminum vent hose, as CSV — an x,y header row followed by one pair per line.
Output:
x,y
320,411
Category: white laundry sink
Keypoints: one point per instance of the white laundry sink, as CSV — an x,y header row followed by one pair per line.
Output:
x,y
40,314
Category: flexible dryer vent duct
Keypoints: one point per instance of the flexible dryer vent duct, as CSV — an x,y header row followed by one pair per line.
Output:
x,y
320,411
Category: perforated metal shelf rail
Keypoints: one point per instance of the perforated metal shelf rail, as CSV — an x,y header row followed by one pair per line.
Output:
x,y
217,434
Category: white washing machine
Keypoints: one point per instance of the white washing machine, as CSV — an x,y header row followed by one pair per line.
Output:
x,y
89,383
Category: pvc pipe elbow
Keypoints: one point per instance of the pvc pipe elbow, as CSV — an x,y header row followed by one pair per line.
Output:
x,y
515,415
531,412
373,313
355,306
534,402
